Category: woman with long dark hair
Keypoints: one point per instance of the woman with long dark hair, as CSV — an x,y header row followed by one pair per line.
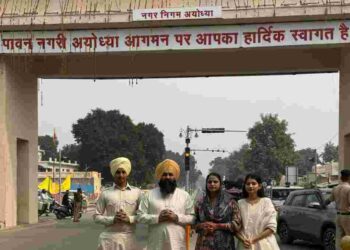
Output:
x,y
258,217
217,217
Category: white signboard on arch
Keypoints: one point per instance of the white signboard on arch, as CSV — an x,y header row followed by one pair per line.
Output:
x,y
177,38
177,13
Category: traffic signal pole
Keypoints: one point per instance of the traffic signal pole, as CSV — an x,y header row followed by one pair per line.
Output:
x,y
188,132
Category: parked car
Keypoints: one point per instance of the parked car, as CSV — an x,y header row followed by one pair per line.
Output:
x,y
305,216
279,194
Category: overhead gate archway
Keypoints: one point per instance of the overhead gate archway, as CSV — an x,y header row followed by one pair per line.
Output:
x,y
137,39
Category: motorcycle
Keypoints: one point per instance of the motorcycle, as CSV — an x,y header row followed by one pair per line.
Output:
x,y
42,207
45,206
63,211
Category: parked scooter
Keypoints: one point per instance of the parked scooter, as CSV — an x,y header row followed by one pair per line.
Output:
x,y
45,208
62,211
42,207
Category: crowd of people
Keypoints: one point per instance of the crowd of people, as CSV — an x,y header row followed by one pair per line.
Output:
x,y
169,211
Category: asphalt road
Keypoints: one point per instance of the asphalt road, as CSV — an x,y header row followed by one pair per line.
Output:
x,y
66,235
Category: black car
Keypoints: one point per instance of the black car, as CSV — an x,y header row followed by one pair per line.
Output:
x,y
305,216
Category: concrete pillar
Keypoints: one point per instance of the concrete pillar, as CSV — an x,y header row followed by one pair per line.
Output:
x,y
344,110
18,144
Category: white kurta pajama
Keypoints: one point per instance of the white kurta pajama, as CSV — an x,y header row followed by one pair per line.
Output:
x,y
255,219
119,236
165,235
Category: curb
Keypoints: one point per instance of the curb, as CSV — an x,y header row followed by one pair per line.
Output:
x,y
21,227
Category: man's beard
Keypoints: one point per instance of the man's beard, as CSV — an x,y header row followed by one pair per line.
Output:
x,y
167,186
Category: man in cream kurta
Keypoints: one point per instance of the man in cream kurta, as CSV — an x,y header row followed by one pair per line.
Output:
x,y
166,209
120,204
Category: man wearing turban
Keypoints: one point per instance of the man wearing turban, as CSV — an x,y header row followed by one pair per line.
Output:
x,y
166,209
116,210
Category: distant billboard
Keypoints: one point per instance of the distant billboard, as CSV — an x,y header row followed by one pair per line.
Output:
x,y
292,175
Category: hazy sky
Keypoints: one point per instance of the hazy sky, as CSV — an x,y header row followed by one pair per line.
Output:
x,y
308,102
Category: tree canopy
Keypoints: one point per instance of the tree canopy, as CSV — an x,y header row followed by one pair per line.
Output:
x,y
232,167
271,148
105,135
305,160
71,151
330,152
47,144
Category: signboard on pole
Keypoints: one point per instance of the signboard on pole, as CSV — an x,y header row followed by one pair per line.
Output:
x,y
292,175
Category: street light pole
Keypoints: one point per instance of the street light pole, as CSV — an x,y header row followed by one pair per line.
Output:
x,y
59,174
316,167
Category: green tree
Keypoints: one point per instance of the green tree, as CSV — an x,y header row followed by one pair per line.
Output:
x,y
152,149
305,159
71,151
237,159
330,152
105,135
271,147
220,166
47,144
232,167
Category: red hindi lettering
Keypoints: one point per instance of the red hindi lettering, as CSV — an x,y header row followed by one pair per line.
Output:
x,y
264,34
51,42
155,39
204,38
41,42
164,14
329,33
132,41
144,15
303,34
109,41
249,37
228,38
8,43
181,38
61,41
145,40
208,13
77,42
278,35
28,42
165,39
18,43
90,41
344,31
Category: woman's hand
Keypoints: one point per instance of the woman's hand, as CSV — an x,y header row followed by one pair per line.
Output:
x,y
247,243
208,227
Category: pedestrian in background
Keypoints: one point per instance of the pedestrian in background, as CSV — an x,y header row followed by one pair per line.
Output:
x,y
116,209
46,199
217,217
258,217
341,196
78,198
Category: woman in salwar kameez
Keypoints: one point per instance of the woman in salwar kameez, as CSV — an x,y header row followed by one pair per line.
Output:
x,y
258,217
217,217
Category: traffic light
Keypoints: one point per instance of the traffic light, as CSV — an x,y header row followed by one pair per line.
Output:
x,y
187,158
